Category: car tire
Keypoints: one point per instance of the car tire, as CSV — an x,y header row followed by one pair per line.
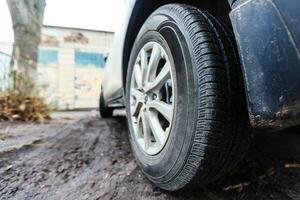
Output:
x,y
209,131
105,112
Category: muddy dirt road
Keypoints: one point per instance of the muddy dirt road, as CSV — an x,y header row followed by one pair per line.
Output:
x,y
85,157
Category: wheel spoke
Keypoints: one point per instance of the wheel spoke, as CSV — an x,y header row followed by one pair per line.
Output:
x,y
146,130
163,108
136,102
144,65
135,108
138,75
138,95
153,63
160,80
155,127
139,123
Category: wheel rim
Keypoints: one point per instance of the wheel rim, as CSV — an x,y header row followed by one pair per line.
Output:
x,y
152,98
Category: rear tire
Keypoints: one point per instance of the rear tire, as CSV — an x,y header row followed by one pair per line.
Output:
x,y
209,131
105,112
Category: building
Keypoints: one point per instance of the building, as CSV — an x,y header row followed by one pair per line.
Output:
x,y
70,65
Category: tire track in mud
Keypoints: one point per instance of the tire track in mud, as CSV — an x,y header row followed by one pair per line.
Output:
x,y
79,156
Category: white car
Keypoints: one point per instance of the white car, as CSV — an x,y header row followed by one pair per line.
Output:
x,y
182,74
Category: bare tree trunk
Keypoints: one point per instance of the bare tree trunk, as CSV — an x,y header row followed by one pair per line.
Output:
x,y
27,18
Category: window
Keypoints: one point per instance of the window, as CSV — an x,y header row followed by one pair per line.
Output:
x,y
46,57
84,59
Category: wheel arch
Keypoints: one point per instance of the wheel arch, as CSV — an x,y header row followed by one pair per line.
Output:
x,y
144,8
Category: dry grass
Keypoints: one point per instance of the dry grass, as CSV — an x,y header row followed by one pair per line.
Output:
x,y
21,103
17,107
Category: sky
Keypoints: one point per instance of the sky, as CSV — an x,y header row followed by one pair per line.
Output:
x,y
89,14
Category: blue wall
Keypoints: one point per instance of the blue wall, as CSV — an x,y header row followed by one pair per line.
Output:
x,y
84,59
46,57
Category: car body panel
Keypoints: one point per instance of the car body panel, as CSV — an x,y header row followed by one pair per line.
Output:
x,y
112,79
268,35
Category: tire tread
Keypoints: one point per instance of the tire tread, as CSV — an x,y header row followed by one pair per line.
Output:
x,y
222,136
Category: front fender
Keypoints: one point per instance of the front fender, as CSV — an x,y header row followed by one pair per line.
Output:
x,y
268,37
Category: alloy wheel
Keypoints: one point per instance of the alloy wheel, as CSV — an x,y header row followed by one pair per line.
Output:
x,y
152,98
